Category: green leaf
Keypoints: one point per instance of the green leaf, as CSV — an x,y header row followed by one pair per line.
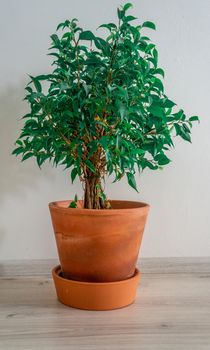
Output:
x,y
55,40
44,77
149,164
55,54
138,151
108,26
178,115
162,159
168,103
63,25
104,141
86,35
18,150
100,193
73,204
94,61
120,13
157,111
149,24
180,131
74,173
27,155
41,159
127,6
90,165
149,47
186,136
160,71
158,83
194,118
101,44
129,18
29,89
19,142
155,54
186,128
131,181
36,83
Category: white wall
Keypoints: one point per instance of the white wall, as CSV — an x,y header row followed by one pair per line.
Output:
x,y
179,222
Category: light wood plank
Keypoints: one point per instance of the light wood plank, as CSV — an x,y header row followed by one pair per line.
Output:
x,y
43,267
171,312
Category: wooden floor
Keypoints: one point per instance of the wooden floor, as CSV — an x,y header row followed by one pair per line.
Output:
x,y
172,310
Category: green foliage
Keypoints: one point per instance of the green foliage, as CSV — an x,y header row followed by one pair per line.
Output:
x,y
73,204
103,109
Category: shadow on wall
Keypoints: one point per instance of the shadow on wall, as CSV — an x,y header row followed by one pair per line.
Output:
x,y
15,177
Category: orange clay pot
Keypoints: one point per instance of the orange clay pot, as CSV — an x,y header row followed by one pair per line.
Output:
x,y
95,296
98,245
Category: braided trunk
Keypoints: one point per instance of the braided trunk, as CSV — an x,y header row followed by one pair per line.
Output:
x,y
93,193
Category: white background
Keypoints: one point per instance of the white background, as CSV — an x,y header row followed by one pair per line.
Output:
x,y
179,221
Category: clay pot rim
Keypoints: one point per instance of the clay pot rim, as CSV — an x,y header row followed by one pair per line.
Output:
x,y
142,206
57,269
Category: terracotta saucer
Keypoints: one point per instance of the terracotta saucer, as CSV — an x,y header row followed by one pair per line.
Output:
x,y
94,295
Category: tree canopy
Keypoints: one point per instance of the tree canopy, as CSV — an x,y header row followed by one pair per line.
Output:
x,y
102,110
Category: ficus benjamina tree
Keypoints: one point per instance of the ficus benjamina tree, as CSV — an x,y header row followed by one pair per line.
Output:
x,y
102,110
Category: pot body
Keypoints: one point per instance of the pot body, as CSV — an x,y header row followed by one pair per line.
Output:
x,y
99,245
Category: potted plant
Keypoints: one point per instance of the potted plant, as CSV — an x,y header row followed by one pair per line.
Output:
x,y
101,112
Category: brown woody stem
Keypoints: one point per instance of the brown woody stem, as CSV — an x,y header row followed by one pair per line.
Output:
x,y
92,193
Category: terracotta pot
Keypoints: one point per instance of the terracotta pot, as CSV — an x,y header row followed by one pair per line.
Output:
x,y
94,295
99,245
